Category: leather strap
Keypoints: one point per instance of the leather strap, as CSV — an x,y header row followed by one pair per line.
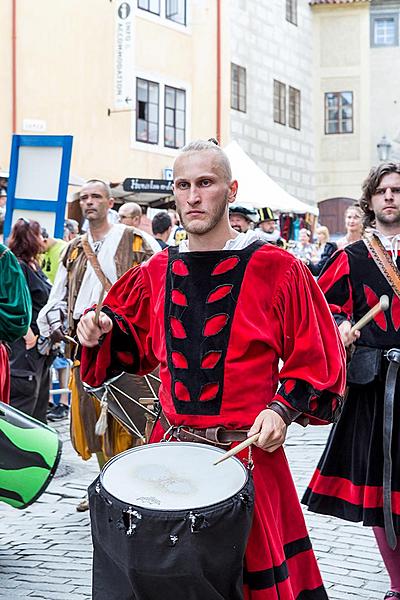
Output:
x,y
393,356
383,261
216,436
92,258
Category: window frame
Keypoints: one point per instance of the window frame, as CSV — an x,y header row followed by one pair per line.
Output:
x,y
148,9
175,90
169,18
147,121
377,16
279,102
340,107
239,88
292,12
294,102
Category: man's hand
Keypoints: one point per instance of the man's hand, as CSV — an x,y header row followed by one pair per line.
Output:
x,y
347,337
30,339
272,430
89,333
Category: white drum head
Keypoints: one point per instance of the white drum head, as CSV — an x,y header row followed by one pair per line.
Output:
x,y
173,476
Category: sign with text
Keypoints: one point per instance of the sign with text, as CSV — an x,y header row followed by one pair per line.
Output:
x,y
38,181
149,186
123,54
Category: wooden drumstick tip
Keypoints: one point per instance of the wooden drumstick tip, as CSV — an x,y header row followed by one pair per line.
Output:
x,y
238,448
384,302
382,305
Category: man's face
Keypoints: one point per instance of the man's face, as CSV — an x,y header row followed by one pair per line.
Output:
x,y
385,202
267,226
94,202
239,222
202,193
127,218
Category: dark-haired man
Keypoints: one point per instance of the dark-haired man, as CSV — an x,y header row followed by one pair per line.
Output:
x,y
161,227
216,313
358,476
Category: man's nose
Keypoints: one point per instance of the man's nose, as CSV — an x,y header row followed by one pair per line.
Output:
x,y
388,194
194,195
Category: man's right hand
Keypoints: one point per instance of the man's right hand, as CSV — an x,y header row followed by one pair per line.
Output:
x,y
347,337
88,332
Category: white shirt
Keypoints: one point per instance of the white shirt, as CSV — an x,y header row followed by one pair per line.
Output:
x,y
91,287
242,240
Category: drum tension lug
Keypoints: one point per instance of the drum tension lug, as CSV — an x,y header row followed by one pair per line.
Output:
x,y
197,522
132,514
173,539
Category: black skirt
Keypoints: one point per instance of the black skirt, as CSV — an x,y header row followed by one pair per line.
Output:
x,y
348,481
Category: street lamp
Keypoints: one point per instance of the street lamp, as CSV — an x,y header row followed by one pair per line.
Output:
x,y
384,147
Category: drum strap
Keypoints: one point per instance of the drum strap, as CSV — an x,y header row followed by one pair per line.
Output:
x,y
216,436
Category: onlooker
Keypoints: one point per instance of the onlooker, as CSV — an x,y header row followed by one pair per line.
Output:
x,y
241,218
353,218
303,249
71,229
53,248
267,225
324,249
178,234
161,226
130,214
15,312
30,371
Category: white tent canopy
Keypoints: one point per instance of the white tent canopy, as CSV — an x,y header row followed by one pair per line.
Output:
x,y
257,189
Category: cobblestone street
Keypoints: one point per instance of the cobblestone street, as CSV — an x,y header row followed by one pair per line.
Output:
x,y
45,551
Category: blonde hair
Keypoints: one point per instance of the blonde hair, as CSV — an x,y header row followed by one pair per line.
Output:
x,y
325,232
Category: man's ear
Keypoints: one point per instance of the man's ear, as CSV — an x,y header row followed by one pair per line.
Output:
x,y
111,202
233,188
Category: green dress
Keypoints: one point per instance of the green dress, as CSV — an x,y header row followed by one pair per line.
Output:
x,y
15,299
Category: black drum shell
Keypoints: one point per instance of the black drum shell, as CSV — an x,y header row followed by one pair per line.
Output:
x,y
179,555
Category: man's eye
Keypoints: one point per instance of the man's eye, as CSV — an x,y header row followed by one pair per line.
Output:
x,y
183,185
205,182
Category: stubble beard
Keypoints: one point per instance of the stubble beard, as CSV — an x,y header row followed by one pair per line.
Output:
x,y
390,219
203,227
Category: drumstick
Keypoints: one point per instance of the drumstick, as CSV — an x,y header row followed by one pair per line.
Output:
x,y
68,338
238,448
383,304
99,306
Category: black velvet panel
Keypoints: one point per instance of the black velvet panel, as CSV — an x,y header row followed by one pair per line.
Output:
x,y
192,279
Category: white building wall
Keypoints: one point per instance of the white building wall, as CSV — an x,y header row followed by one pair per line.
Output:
x,y
270,47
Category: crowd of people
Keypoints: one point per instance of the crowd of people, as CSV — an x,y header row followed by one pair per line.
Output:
x,y
215,298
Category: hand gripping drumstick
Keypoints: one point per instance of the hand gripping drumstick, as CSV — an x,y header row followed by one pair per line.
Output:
x,y
238,448
383,304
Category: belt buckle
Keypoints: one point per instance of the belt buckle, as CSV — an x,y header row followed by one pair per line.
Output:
x,y
393,355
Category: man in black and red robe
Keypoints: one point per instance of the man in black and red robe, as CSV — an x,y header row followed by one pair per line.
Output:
x,y
349,481
217,313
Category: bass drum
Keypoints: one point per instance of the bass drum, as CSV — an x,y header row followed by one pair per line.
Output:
x,y
29,455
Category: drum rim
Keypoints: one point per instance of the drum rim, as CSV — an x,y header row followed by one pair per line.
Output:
x,y
245,469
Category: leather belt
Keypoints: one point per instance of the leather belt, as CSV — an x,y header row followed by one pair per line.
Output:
x,y
216,436
393,357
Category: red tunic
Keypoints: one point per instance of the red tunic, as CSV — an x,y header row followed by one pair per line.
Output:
x,y
218,323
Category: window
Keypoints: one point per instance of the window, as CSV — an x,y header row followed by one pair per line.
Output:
x,y
174,117
238,87
339,112
385,30
175,10
147,106
152,6
291,11
279,102
294,108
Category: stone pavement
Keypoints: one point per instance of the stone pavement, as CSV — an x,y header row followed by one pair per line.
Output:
x,y
45,551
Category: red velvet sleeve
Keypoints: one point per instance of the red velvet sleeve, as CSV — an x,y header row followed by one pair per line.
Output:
x,y
335,284
313,374
128,347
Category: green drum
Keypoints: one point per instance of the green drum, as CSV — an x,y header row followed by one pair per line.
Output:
x,y
29,455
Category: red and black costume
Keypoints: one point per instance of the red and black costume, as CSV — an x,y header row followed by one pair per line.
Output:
x,y
348,482
217,322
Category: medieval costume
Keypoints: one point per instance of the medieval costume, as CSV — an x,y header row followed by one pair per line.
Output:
x,y
15,312
218,344
349,480
77,286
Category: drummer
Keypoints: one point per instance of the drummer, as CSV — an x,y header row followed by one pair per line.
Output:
x,y
217,313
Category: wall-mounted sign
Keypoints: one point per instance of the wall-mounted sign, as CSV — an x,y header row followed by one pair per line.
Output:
x,y
35,125
123,54
38,181
150,186
168,173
